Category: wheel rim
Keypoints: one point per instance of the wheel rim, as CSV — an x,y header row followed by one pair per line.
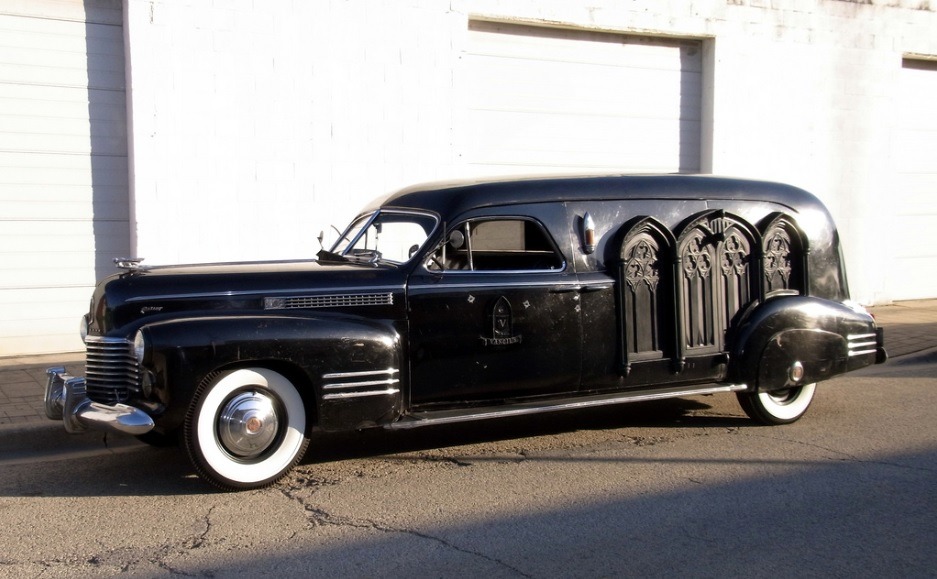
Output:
x,y
783,397
248,424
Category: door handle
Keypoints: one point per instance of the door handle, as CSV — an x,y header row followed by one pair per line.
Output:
x,y
595,287
563,289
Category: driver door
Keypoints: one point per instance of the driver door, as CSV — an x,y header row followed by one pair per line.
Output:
x,y
494,315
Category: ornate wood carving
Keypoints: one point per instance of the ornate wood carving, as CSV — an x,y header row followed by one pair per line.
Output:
x,y
783,256
735,254
646,295
718,280
697,255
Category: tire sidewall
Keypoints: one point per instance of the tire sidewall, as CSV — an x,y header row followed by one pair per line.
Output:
x,y
784,413
205,449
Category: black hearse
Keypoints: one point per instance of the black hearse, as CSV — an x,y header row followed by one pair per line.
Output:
x,y
476,300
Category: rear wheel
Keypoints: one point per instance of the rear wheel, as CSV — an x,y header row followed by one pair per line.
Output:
x,y
245,429
779,406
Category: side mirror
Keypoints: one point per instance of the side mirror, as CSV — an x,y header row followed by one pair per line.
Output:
x,y
456,239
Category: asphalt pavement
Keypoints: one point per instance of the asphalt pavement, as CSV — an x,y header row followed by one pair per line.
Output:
x,y
910,327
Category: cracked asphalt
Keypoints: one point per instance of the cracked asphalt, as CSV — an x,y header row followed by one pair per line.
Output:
x,y
678,488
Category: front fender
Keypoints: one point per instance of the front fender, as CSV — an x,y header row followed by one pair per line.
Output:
x,y
817,333
313,351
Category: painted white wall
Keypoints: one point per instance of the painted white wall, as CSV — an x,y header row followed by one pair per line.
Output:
x,y
256,125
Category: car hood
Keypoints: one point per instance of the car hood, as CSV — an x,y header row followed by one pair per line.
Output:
x,y
156,292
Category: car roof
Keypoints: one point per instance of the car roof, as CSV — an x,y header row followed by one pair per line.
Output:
x,y
451,199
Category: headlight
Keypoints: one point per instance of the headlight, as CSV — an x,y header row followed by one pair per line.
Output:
x,y
85,325
139,346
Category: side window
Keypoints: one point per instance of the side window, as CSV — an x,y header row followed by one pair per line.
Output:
x,y
510,244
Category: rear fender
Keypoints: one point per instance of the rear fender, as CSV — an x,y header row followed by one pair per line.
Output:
x,y
816,334
309,350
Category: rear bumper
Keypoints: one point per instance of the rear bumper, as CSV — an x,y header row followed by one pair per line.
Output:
x,y
65,400
881,356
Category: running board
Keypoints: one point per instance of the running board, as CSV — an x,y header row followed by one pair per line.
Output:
x,y
435,417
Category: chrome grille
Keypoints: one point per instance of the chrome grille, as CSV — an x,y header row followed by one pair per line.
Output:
x,y
111,370
329,301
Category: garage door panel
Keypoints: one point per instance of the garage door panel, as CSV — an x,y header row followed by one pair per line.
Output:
x,y
57,303
914,197
36,210
61,135
586,133
64,236
588,91
63,166
552,44
549,99
643,144
41,169
74,267
114,197
61,102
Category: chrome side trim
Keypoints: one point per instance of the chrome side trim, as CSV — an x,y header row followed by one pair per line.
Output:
x,y
269,291
329,301
344,385
862,344
389,371
573,284
604,401
360,384
344,395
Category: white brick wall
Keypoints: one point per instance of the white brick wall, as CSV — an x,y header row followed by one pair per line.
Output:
x,y
256,125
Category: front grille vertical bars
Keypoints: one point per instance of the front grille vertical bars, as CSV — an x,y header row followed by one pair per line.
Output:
x,y
111,370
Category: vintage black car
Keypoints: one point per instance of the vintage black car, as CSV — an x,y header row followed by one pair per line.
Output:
x,y
477,300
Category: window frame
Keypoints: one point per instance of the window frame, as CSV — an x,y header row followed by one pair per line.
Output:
x,y
372,217
465,227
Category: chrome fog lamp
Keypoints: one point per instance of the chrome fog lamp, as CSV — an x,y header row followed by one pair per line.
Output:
x,y
139,346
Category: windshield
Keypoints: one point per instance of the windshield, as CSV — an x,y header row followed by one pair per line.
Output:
x,y
390,236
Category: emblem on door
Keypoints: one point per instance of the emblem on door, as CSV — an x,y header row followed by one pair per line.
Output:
x,y
502,325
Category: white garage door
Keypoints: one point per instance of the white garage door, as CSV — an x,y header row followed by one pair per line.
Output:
x,y
544,99
63,166
915,156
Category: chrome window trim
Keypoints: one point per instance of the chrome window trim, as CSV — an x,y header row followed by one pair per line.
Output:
x,y
564,264
393,211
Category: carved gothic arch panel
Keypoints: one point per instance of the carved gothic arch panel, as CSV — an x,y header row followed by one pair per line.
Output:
x,y
645,274
784,255
717,255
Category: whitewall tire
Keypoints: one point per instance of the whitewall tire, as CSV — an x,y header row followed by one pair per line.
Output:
x,y
246,428
778,407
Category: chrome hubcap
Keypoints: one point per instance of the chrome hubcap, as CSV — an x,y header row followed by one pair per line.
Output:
x,y
783,397
248,424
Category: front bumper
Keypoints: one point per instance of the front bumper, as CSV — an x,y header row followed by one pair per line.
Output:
x,y
66,400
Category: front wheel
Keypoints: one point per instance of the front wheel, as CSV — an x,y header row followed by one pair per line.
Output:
x,y
245,429
779,406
